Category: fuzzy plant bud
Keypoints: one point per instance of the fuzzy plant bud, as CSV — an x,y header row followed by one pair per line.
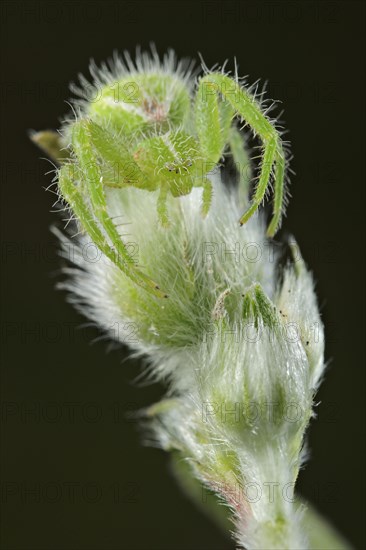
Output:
x,y
229,327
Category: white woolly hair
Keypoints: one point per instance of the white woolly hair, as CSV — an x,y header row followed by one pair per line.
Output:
x,y
195,261
190,339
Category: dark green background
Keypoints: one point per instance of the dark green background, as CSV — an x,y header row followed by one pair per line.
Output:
x,y
312,55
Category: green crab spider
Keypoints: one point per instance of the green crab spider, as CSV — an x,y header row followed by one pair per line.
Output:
x,y
147,130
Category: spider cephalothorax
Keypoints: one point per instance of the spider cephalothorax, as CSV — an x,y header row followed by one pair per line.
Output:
x,y
154,126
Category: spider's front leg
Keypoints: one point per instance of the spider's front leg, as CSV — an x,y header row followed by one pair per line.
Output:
x,y
96,220
212,121
215,85
123,170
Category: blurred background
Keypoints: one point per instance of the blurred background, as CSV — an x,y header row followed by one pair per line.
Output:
x,y
74,474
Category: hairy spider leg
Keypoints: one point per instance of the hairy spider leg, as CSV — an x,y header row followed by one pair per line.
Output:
x,y
212,121
72,195
248,109
278,192
126,172
92,179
